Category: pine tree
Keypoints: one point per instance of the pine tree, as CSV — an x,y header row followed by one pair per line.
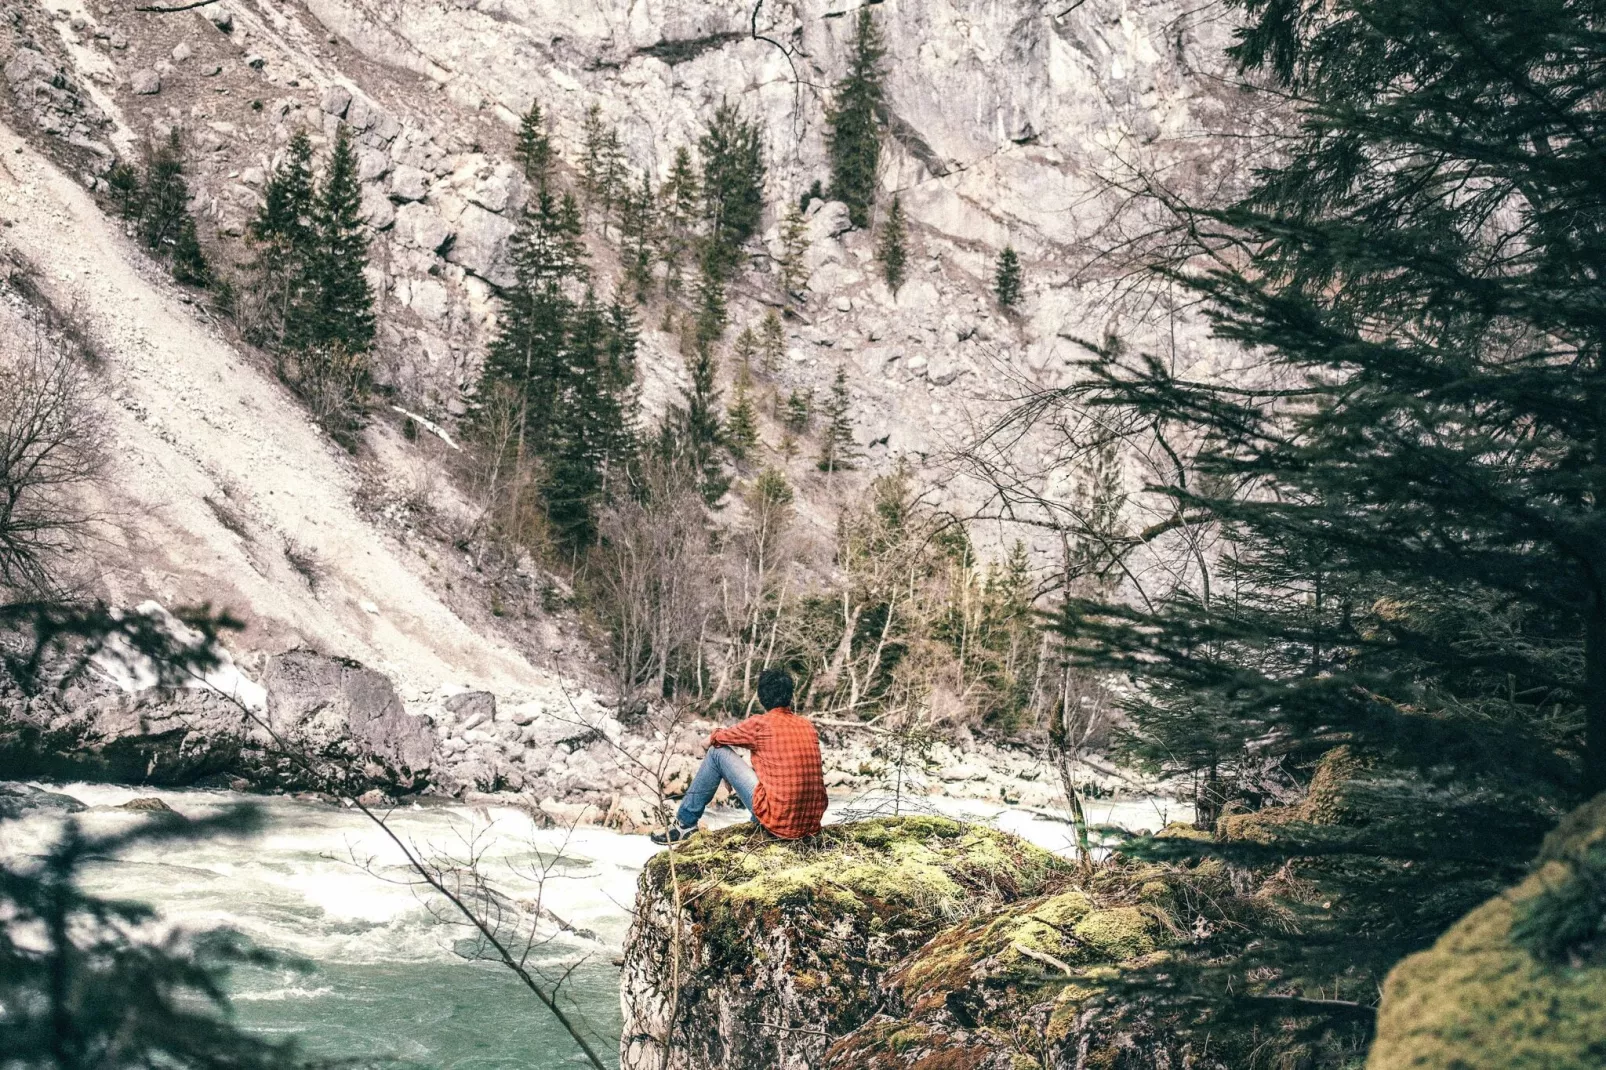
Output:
x,y
1007,278
594,138
853,123
284,243
892,250
340,308
1398,501
533,149
711,312
584,410
679,201
732,149
89,981
741,422
744,349
799,415
189,261
527,355
772,343
165,224
694,433
636,228
127,190
838,451
793,265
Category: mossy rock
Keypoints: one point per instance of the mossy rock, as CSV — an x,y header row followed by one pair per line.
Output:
x,y
1477,999
787,941
1059,981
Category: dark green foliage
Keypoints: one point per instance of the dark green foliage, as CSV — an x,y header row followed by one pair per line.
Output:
x,y
126,189
792,268
160,208
1007,278
815,192
772,343
567,363
636,229
838,451
340,304
732,149
284,239
741,423
679,200
799,416
533,149
82,986
1396,504
189,261
892,251
711,312
854,134
694,434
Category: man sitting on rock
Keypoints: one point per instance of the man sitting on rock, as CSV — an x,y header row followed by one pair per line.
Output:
x,y
784,788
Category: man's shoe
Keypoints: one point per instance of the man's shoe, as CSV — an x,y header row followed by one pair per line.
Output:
x,y
673,834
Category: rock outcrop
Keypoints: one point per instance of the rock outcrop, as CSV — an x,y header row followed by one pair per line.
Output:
x,y
328,720
783,944
1519,983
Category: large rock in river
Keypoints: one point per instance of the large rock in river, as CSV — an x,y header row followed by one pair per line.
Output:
x,y
782,945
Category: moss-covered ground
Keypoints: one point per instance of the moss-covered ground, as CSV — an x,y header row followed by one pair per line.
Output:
x,y
1481,1000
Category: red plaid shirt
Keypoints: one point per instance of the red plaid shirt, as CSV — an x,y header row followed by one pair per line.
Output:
x,y
790,797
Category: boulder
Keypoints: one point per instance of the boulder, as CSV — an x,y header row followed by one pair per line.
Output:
x,y
1520,982
422,226
145,82
1070,979
471,709
17,800
785,942
481,245
409,183
345,718
336,99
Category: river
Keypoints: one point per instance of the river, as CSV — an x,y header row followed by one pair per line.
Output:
x,y
384,974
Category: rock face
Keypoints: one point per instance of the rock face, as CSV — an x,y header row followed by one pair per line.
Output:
x,y
1519,983
783,944
343,716
19,799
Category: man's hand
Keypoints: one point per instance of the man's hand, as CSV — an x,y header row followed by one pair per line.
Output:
x,y
711,742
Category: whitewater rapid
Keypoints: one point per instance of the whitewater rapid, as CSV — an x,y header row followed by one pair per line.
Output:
x,y
386,972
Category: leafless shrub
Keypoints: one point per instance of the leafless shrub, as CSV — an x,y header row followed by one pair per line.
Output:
x,y
333,382
51,449
652,580
305,562
230,517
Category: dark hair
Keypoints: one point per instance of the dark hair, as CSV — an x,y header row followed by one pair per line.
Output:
x,y
774,689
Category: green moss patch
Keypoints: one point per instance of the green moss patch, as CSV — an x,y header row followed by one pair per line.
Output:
x,y
1476,999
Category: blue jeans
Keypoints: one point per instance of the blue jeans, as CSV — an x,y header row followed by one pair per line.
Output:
x,y
720,763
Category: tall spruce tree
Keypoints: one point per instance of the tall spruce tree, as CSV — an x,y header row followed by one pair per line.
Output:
x,y
711,311
853,123
636,230
732,150
793,266
533,149
772,343
1007,278
838,450
892,251
284,240
679,202
694,432
340,306
164,223
1406,502
741,422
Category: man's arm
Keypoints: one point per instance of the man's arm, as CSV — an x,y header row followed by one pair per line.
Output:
x,y
745,734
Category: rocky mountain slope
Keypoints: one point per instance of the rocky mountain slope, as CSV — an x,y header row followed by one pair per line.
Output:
x,y
1004,119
